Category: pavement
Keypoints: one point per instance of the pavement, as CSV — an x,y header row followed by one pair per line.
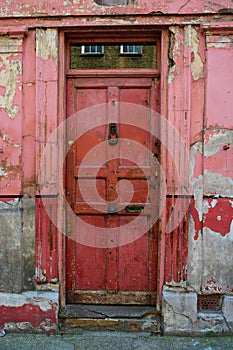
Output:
x,y
89,340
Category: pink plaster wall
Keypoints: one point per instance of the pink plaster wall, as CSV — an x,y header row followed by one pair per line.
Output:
x,y
79,7
219,92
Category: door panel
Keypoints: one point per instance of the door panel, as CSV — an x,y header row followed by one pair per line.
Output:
x,y
126,274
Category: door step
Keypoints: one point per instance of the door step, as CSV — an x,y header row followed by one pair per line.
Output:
x,y
114,318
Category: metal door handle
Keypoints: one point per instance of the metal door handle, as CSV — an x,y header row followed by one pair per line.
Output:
x,y
113,135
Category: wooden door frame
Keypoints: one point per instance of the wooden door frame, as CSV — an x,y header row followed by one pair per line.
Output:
x,y
134,33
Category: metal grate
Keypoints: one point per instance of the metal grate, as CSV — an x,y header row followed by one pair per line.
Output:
x,y
209,302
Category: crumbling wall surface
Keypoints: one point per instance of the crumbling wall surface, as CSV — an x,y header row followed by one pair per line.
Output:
x,y
29,311
11,115
211,228
204,302
28,112
17,224
98,7
10,245
17,244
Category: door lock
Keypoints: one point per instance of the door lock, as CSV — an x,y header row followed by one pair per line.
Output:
x,y
113,135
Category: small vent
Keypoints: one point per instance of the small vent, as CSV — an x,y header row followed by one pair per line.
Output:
x,y
212,302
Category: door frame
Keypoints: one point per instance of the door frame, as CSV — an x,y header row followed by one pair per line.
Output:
x,y
134,33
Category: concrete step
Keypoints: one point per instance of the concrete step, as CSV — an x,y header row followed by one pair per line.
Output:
x,y
110,317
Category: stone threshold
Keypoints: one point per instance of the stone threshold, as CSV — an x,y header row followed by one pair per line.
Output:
x,y
109,317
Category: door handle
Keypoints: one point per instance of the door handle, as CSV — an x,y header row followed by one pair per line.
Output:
x,y
113,135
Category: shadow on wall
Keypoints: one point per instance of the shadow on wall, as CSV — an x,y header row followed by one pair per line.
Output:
x,y
114,2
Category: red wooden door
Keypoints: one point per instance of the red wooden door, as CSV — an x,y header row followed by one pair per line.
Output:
x,y
125,273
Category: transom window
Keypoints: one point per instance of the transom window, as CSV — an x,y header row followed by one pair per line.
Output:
x,y
113,56
131,49
92,50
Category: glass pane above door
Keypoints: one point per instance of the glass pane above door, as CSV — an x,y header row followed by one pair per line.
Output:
x,y
126,56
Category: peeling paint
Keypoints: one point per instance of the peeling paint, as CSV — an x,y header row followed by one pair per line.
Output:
x,y
18,300
10,71
222,139
217,256
219,218
18,312
213,203
218,42
197,66
196,149
47,43
174,52
79,7
8,169
216,183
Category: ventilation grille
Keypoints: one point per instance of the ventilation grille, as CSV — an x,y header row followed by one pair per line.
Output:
x,y
211,302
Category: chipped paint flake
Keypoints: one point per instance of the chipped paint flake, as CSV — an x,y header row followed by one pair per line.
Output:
x,y
198,196
197,66
20,300
174,52
206,207
2,172
217,141
47,43
10,69
197,147
220,43
213,203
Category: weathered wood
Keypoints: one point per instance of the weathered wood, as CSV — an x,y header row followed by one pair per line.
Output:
x,y
105,297
125,274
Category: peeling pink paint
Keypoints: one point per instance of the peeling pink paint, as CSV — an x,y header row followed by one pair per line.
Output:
x,y
78,7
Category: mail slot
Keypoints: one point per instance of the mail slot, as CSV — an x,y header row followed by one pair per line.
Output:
x,y
134,208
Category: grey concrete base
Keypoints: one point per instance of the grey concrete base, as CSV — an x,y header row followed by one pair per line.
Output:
x,y
211,322
181,316
227,310
17,245
179,312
